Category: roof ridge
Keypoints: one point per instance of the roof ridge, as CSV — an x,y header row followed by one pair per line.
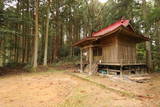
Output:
x,y
123,22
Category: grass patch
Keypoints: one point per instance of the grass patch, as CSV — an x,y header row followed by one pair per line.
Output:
x,y
53,70
123,93
76,100
49,71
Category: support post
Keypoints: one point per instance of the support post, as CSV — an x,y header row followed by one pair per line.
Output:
x,y
121,68
107,71
90,60
121,71
81,61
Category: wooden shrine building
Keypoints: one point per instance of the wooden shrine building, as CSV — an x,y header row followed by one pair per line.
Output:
x,y
112,48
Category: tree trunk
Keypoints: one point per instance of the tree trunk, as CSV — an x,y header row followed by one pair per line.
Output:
x,y
148,43
149,56
46,39
35,56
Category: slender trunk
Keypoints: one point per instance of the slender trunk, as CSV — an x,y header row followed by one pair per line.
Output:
x,y
61,37
149,56
157,36
36,35
148,43
53,48
46,39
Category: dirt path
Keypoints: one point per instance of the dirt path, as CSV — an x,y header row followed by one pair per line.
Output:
x,y
58,89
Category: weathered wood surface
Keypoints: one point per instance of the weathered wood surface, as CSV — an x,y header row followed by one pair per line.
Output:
x,y
90,59
140,79
117,49
81,61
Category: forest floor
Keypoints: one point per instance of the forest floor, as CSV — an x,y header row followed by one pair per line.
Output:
x,y
59,88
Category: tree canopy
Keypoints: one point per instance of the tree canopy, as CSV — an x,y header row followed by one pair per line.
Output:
x,y
63,22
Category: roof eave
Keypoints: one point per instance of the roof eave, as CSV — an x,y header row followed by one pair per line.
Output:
x,y
88,39
134,34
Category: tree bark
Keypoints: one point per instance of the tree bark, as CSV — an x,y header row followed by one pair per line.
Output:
x,y
35,56
46,39
148,43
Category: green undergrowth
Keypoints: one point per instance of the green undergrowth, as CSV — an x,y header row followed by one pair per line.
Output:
x,y
48,72
67,61
55,71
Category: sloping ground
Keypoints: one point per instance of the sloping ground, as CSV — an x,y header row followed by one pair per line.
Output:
x,y
148,93
153,88
59,89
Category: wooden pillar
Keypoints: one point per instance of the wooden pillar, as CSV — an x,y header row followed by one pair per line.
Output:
x,y
107,70
121,69
90,60
81,60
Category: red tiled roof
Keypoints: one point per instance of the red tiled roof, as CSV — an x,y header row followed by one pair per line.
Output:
x,y
121,24
111,27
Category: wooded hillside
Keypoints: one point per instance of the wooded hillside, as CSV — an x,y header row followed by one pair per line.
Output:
x,y
38,32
